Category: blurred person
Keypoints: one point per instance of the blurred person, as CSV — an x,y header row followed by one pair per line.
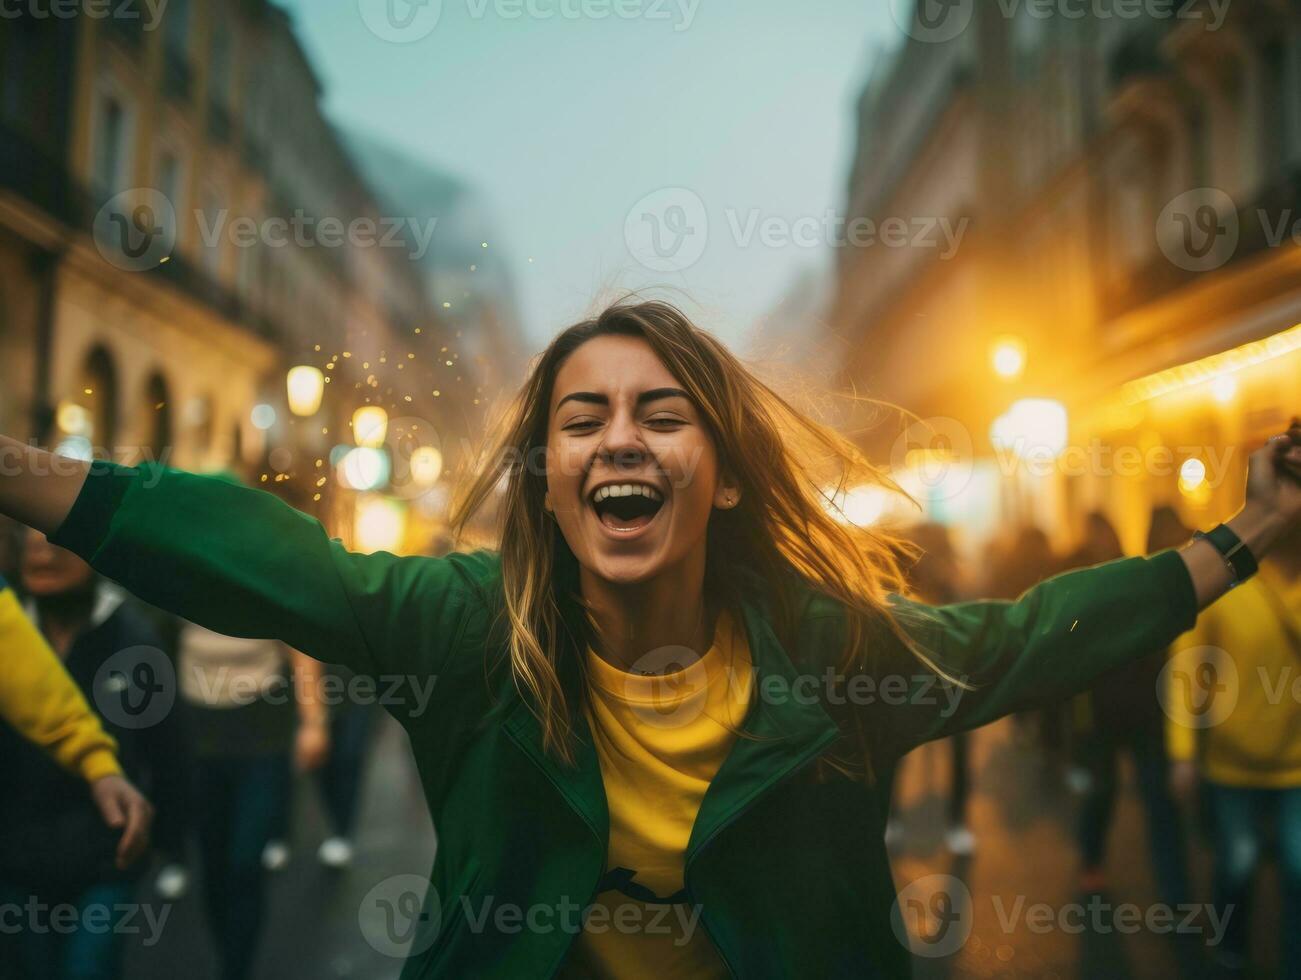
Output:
x,y
1235,721
40,702
669,590
1122,713
934,580
54,848
339,777
255,713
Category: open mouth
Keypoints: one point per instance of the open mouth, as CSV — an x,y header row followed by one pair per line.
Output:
x,y
626,506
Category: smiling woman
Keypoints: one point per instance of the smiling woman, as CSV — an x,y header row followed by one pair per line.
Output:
x,y
662,705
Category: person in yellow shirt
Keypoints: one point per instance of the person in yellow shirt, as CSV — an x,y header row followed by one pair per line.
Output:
x,y
1232,694
42,703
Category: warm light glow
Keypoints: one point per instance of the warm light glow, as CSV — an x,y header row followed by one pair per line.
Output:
x,y
364,468
1007,357
1224,388
369,426
306,387
862,506
263,416
73,419
1032,427
1210,368
381,524
426,466
1192,474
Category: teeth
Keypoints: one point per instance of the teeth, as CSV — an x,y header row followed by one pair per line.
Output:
x,y
626,490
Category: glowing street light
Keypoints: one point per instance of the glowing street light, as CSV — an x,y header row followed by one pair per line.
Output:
x,y
306,387
1007,357
1032,426
369,426
426,466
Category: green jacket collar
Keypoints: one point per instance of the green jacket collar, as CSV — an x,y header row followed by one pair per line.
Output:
x,y
784,729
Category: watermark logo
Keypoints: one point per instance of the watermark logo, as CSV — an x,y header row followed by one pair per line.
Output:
x,y
400,21
1199,230
933,915
136,687
938,452
1199,686
667,230
932,21
667,687
136,229
400,916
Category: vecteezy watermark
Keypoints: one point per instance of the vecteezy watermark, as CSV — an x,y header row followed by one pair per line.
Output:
x,y
1200,686
135,687
233,687
306,231
148,12
937,21
136,229
1201,229
96,918
403,915
406,21
1102,917
70,457
933,916
667,230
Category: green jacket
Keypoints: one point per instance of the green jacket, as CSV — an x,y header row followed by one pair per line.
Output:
x,y
786,861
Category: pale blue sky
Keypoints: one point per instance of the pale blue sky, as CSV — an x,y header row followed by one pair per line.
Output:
x,y
563,124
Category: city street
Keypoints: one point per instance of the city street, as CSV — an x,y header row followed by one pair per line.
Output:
x,y
1025,853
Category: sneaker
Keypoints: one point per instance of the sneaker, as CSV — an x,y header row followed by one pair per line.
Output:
x,y
275,856
172,882
335,852
959,840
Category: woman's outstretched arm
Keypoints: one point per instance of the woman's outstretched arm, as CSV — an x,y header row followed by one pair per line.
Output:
x,y
242,562
38,488
1065,632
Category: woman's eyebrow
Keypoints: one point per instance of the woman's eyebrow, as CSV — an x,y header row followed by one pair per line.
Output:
x,y
596,398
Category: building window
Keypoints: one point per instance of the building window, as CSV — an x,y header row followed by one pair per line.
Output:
x,y
157,411
168,183
177,25
98,395
214,221
110,146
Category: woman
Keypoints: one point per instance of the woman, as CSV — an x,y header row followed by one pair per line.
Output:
x,y
666,557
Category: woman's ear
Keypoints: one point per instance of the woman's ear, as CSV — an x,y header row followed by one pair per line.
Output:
x,y
727,495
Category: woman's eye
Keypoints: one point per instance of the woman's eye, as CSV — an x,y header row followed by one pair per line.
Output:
x,y
664,420
578,426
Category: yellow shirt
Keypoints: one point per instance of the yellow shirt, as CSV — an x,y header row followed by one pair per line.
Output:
x,y
44,704
660,740
1234,684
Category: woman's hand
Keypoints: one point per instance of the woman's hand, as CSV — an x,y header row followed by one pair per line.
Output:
x,y
1274,476
123,806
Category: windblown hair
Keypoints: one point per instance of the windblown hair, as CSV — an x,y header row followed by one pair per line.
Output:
x,y
791,469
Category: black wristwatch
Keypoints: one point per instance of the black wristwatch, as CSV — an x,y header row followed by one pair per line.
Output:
x,y
1236,554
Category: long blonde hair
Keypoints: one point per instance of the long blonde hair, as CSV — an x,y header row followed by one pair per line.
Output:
x,y
790,468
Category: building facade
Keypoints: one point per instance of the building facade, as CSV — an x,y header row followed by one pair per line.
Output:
x,y
179,226
1094,297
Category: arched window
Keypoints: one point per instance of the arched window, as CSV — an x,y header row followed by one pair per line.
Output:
x,y
158,416
98,395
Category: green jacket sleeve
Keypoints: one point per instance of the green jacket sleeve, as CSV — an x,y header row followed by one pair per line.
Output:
x,y
1052,642
241,562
